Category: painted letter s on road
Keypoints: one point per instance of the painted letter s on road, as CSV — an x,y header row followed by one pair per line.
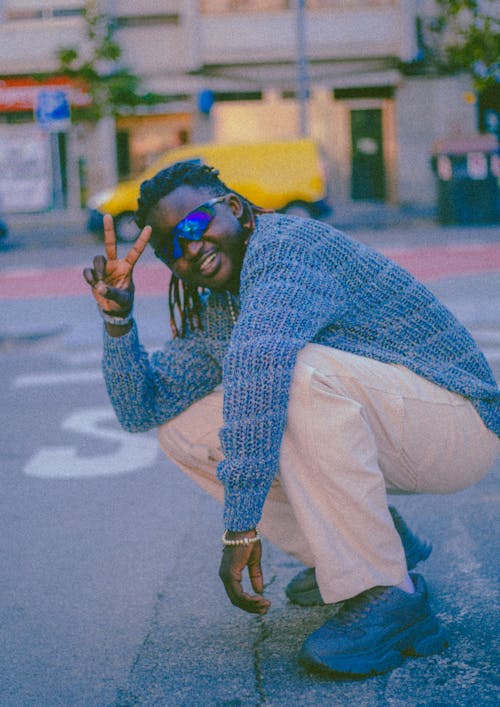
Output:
x,y
135,451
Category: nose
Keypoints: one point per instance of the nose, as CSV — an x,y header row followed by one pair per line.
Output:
x,y
191,249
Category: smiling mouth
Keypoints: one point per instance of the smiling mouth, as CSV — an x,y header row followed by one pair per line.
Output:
x,y
207,264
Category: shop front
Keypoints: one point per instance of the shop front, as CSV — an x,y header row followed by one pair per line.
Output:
x,y
34,145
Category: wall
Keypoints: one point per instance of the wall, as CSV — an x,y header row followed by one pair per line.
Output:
x,y
428,109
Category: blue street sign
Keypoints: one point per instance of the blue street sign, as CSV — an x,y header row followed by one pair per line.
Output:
x,y
52,112
205,101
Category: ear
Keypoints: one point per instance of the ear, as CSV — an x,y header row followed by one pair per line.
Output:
x,y
234,203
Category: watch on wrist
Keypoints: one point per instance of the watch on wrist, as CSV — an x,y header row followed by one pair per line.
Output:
x,y
116,320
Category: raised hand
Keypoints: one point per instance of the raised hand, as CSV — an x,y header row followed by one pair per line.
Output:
x,y
110,277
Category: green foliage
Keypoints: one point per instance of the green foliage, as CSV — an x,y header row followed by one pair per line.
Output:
x,y
113,88
465,34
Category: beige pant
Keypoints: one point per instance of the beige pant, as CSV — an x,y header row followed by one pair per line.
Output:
x,y
356,428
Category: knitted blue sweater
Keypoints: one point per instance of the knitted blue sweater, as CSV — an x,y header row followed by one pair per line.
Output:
x,y
301,282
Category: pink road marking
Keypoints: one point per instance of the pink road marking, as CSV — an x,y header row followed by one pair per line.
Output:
x,y
151,279
434,263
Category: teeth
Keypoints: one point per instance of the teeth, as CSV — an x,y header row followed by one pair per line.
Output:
x,y
207,262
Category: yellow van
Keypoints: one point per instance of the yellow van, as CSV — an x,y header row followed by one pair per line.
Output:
x,y
287,176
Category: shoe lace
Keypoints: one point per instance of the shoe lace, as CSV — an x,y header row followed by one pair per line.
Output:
x,y
357,608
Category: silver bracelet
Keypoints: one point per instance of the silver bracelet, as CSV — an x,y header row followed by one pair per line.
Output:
x,y
117,321
240,541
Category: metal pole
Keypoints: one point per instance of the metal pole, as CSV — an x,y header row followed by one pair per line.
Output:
x,y
55,158
302,69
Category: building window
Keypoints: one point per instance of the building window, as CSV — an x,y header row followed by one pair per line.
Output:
x,y
43,13
363,92
220,96
147,20
218,7
23,14
67,12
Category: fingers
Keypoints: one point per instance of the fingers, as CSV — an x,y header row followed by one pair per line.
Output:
x,y
88,275
95,276
116,299
255,569
234,560
94,279
123,298
252,604
138,248
90,278
99,264
111,278
109,237
110,242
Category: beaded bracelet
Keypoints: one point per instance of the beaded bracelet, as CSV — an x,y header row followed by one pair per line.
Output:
x,y
117,321
240,541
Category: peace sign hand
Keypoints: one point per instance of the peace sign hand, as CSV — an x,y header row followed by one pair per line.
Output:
x,y
111,277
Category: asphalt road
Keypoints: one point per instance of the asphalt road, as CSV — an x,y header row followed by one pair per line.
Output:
x,y
109,587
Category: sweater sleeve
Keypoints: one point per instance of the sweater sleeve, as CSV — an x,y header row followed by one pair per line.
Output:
x,y
146,390
286,298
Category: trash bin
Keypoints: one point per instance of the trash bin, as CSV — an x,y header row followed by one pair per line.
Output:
x,y
468,175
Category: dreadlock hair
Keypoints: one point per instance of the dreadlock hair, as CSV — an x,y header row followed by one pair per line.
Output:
x,y
184,299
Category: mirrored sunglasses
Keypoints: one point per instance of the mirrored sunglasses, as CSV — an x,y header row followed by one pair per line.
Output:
x,y
191,228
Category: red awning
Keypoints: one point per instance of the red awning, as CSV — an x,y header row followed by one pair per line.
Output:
x,y
19,94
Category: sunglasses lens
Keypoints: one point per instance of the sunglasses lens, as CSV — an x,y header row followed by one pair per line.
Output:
x,y
195,224
192,227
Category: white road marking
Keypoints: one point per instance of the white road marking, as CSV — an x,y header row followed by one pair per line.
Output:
x,y
35,379
80,358
63,462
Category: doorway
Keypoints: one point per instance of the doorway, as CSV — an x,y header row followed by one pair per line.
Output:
x,y
368,178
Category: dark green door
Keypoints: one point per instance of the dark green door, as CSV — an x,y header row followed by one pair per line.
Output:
x,y
368,170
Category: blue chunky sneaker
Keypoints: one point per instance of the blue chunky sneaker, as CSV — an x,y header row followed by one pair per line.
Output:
x,y
303,588
374,632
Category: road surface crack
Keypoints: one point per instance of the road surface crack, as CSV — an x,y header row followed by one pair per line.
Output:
x,y
263,635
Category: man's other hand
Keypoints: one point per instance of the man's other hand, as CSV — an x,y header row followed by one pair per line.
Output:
x,y
234,560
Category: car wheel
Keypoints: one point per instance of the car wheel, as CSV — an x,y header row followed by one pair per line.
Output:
x,y
3,229
125,227
297,208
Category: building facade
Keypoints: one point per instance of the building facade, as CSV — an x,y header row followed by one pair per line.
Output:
x,y
337,70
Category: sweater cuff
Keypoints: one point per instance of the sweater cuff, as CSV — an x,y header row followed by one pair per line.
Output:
x,y
243,509
117,346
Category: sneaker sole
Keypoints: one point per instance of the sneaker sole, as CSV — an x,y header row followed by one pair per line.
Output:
x,y
420,640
